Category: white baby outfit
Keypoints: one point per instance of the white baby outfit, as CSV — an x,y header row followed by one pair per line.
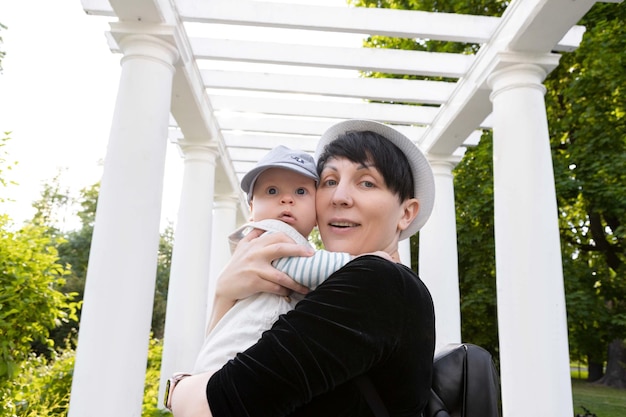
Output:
x,y
244,323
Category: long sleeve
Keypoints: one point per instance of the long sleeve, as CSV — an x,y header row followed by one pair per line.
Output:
x,y
314,270
371,317
308,271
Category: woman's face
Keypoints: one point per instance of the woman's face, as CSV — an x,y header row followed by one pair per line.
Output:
x,y
356,212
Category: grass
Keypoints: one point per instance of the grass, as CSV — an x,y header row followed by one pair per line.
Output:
x,y
601,401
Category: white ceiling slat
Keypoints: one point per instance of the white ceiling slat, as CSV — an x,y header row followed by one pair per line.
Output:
x,y
241,122
388,61
377,89
292,125
268,141
371,21
387,22
390,113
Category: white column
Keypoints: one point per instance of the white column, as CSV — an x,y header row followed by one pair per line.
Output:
x,y
224,222
115,323
532,324
438,256
404,249
189,275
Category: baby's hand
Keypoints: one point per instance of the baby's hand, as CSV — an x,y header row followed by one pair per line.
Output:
x,y
379,253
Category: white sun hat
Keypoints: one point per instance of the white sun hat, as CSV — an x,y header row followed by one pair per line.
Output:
x,y
423,179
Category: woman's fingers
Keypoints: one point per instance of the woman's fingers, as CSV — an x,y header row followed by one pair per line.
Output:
x,y
249,271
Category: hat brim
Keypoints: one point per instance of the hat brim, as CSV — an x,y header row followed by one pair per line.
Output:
x,y
423,178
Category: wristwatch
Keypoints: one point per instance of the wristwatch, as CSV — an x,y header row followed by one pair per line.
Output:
x,y
169,388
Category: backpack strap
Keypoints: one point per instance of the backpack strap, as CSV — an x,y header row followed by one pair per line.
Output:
x,y
371,396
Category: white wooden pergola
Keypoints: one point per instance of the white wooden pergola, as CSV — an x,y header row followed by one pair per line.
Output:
x,y
178,83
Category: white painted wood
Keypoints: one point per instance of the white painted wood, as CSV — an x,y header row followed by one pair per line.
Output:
x,y
377,89
388,61
115,321
384,22
438,258
391,113
532,321
252,140
185,320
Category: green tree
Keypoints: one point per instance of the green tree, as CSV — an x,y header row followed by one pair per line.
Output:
x,y
52,204
31,304
166,245
586,109
74,252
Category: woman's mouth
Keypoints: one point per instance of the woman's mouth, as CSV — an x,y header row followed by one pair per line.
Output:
x,y
342,224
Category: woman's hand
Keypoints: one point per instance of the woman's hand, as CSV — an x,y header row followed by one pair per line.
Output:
x,y
189,396
250,271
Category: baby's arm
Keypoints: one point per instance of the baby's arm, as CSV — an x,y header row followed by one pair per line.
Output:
x,y
312,271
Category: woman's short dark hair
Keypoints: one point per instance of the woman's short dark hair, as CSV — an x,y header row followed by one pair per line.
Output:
x,y
369,147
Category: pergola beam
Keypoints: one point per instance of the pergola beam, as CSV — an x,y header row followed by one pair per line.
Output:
x,y
376,89
390,61
385,22
390,113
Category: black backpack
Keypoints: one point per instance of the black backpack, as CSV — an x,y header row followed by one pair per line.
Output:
x,y
465,384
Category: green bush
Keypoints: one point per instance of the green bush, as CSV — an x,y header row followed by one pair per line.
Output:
x,y
151,389
41,386
30,301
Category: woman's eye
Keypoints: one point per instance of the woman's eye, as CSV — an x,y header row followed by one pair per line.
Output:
x,y
330,183
368,184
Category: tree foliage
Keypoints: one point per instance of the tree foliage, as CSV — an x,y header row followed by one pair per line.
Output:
x,y
166,246
31,304
586,109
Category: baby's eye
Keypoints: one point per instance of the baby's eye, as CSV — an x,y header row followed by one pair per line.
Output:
x,y
272,190
301,191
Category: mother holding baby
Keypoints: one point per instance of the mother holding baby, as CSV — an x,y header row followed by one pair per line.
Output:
x,y
365,337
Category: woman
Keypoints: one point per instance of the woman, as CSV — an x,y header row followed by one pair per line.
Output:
x,y
372,317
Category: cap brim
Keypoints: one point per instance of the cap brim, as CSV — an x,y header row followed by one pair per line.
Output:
x,y
248,180
423,178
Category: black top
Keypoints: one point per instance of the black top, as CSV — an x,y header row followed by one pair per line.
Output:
x,y
372,316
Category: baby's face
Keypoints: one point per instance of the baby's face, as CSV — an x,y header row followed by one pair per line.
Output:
x,y
284,195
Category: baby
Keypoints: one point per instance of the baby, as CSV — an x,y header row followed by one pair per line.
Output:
x,y
281,193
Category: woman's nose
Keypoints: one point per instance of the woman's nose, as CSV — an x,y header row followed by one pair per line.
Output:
x,y
341,196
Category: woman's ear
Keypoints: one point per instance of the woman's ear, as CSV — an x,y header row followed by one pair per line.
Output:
x,y
410,208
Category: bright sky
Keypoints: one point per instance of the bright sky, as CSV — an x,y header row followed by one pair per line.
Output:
x,y
57,96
